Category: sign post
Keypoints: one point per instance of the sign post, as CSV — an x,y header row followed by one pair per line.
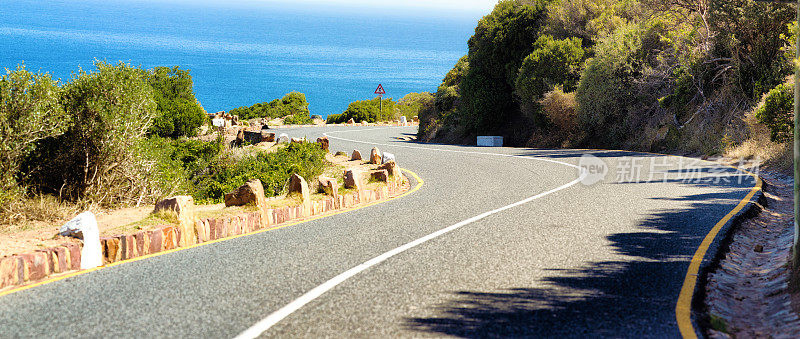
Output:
x,y
380,92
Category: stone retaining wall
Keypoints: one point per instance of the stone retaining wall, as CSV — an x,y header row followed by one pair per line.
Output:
x,y
27,268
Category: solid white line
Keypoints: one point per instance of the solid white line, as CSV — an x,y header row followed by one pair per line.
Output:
x,y
265,324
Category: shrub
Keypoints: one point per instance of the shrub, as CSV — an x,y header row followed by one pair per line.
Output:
x,y
561,110
552,63
411,104
293,103
29,112
366,110
111,109
178,113
777,113
273,169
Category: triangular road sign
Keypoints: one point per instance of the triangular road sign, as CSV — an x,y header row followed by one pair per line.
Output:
x,y
380,90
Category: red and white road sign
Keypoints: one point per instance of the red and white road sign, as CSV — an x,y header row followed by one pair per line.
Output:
x,y
380,90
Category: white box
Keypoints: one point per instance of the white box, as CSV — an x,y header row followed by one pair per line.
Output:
x,y
490,141
218,122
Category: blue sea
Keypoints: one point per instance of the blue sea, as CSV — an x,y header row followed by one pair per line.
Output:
x,y
240,53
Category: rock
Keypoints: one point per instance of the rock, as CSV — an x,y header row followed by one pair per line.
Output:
x,y
10,271
298,140
264,126
403,120
356,155
388,157
341,154
324,143
351,122
392,168
252,137
758,249
375,156
267,136
352,179
299,185
329,186
380,175
84,226
283,138
415,119
250,193
239,138
183,206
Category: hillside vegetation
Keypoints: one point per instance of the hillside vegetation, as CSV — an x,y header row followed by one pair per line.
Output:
x,y
293,107
686,75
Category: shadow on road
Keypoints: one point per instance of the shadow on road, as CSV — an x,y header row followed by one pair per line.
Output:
x,y
630,298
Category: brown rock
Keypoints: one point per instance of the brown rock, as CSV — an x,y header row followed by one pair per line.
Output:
x,y
329,186
352,179
253,137
356,155
239,138
351,121
758,249
392,168
183,206
250,193
35,266
380,175
61,259
324,143
375,156
267,136
111,249
74,256
11,271
299,185
298,140
341,154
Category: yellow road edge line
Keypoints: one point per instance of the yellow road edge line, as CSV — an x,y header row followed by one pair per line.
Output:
x,y
683,308
419,180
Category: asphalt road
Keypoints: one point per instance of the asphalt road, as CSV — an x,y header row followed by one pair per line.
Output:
x,y
588,260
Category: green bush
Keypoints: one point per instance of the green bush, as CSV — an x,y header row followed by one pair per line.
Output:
x,y
502,39
273,169
552,63
29,112
411,104
777,112
366,110
178,113
110,109
293,103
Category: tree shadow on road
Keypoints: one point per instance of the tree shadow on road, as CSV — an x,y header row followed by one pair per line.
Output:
x,y
623,298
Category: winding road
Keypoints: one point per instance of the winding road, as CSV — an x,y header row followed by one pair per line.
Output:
x,y
496,242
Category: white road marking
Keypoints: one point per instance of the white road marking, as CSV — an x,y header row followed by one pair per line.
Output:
x,y
265,324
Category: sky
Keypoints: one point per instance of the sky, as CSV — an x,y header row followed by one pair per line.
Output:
x,y
470,7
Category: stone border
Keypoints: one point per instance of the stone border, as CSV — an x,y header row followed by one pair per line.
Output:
x,y
26,268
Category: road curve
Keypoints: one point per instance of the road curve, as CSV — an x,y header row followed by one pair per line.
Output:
x,y
585,260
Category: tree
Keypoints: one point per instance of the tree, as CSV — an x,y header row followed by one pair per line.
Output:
x,y
502,39
178,113
29,112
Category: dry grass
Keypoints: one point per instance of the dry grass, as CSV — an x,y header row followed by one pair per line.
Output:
x,y
759,147
24,212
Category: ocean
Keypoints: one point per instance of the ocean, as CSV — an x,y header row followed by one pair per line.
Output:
x,y
242,53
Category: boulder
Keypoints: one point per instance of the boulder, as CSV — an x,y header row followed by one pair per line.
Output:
x,y
388,157
324,143
375,156
298,140
298,185
252,137
380,175
250,193
84,226
403,120
352,179
267,136
351,121
356,155
283,138
239,139
328,186
183,207
264,125
392,168
415,119
341,154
